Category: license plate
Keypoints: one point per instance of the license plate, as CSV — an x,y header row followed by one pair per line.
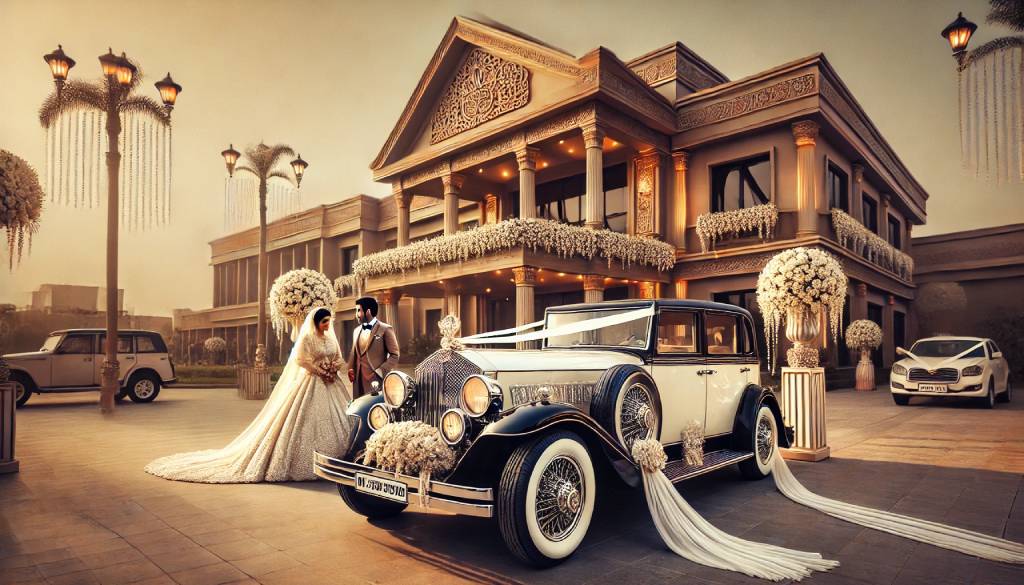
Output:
x,y
940,388
384,488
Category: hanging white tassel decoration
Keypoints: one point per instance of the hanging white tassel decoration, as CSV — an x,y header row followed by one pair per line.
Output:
x,y
692,537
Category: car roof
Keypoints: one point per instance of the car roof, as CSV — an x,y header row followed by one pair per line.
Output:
x,y
658,304
99,330
953,338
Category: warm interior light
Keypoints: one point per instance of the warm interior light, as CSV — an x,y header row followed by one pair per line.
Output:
x,y
544,164
497,272
561,142
561,274
504,173
168,90
958,33
487,290
59,63
571,151
579,277
480,170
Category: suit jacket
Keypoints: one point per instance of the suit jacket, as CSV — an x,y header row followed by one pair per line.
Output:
x,y
380,357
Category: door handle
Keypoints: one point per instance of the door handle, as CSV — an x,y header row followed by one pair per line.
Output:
x,y
744,370
703,372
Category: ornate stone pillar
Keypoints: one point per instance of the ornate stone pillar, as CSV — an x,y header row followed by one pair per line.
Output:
x,y
647,290
490,209
402,200
525,278
593,140
805,134
593,288
527,159
647,215
682,289
452,188
856,204
677,214
389,305
885,201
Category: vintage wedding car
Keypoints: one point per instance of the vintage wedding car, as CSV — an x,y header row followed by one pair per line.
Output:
x,y
533,430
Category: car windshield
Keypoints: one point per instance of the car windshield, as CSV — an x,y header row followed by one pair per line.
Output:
x,y
51,343
630,334
948,348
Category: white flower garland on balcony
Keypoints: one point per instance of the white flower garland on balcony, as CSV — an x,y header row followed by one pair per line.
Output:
x,y
346,285
853,235
712,227
295,293
551,236
863,334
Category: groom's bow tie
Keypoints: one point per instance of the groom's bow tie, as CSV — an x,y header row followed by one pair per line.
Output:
x,y
367,326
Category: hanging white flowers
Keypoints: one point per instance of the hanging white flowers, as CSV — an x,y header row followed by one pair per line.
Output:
x,y
863,334
346,285
801,279
713,227
853,235
295,293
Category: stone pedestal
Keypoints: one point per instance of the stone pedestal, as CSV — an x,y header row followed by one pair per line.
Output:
x,y
865,373
8,463
254,383
803,408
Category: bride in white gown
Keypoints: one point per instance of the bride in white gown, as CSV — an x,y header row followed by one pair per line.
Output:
x,y
303,413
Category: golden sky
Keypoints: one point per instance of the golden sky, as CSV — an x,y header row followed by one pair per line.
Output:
x,y
330,78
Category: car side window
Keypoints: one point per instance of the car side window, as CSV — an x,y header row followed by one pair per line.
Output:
x,y
76,344
124,344
723,334
145,344
677,332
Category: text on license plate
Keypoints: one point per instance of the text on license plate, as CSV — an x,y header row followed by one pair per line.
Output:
x,y
384,488
932,388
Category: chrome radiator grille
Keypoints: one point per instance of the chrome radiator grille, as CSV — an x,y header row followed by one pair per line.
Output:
x,y
439,380
940,375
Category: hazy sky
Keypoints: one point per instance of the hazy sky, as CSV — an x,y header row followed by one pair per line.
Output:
x,y
331,78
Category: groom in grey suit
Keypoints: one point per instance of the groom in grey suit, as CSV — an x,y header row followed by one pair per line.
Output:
x,y
374,349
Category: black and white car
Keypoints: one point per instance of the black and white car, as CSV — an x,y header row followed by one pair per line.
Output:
x,y
70,361
951,366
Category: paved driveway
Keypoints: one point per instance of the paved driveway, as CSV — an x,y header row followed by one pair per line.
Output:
x,y
82,510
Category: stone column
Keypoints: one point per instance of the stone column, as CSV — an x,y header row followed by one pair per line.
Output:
x,y
593,288
888,338
677,213
525,278
452,187
490,209
593,139
402,200
682,289
805,134
527,159
885,200
452,304
389,307
647,290
856,205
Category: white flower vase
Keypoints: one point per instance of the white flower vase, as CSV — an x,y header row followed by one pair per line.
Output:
x,y
865,371
802,327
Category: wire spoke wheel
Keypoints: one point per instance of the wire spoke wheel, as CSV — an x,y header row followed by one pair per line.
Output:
x,y
637,418
560,497
765,439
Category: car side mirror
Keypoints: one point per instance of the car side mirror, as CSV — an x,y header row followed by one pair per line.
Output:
x,y
997,354
901,351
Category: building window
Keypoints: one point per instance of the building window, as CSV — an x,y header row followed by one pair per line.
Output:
x,y
894,233
741,184
564,200
348,257
837,188
870,211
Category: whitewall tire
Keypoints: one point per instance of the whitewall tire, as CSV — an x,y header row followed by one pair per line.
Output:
x,y
546,498
766,445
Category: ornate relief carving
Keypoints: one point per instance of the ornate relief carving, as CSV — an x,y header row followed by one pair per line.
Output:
x,y
424,175
502,146
484,88
593,282
646,183
674,66
593,136
695,76
680,160
525,276
657,70
453,182
784,91
805,132
638,98
752,263
518,49
632,127
554,126
490,208
526,158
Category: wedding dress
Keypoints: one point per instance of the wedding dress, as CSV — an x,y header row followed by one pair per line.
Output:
x,y
302,414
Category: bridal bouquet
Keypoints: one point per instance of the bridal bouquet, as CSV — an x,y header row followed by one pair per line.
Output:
x,y
327,368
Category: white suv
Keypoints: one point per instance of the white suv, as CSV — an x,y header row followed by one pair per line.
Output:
x,y
70,360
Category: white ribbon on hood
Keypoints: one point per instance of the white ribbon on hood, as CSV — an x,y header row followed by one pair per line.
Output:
x,y
567,329
916,359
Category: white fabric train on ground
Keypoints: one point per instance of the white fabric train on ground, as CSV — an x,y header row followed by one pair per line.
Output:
x,y
692,537
941,535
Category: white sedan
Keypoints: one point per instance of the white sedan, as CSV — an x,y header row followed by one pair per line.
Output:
x,y
951,366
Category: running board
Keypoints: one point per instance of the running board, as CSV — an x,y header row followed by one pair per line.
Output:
x,y
678,470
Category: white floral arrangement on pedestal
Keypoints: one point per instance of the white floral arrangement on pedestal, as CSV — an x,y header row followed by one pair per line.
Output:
x,y
800,278
712,227
852,234
215,345
295,293
863,334
551,236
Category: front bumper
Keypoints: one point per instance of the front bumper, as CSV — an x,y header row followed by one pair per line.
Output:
x,y
457,499
971,386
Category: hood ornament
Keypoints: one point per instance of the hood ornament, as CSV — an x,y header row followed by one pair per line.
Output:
x,y
449,327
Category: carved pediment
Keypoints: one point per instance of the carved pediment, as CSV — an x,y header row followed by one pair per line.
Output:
x,y
485,87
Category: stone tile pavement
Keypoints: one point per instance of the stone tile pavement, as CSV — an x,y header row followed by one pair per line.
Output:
x,y
82,510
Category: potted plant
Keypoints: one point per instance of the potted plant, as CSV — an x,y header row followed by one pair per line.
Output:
x,y
215,346
864,335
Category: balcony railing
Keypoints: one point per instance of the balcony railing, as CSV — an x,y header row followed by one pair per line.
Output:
x,y
855,237
552,237
720,225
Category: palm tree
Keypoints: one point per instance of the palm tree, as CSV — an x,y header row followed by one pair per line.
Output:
x,y
262,161
112,97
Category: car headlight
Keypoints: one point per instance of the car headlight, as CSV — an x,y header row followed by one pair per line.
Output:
x,y
378,416
477,394
453,426
972,371
899,370
398,387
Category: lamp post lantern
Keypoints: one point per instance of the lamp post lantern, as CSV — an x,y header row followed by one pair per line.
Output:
x,y
958,33
112,97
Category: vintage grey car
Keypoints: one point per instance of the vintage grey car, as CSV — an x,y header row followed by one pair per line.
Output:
x,y
533,430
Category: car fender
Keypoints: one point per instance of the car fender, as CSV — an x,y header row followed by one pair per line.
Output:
x,y
485,458
753,398
361,431
35,385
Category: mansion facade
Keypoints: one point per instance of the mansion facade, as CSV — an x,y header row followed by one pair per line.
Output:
x,y
509,149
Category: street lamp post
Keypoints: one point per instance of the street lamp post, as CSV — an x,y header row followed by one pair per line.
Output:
x,y
112,96
262,162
